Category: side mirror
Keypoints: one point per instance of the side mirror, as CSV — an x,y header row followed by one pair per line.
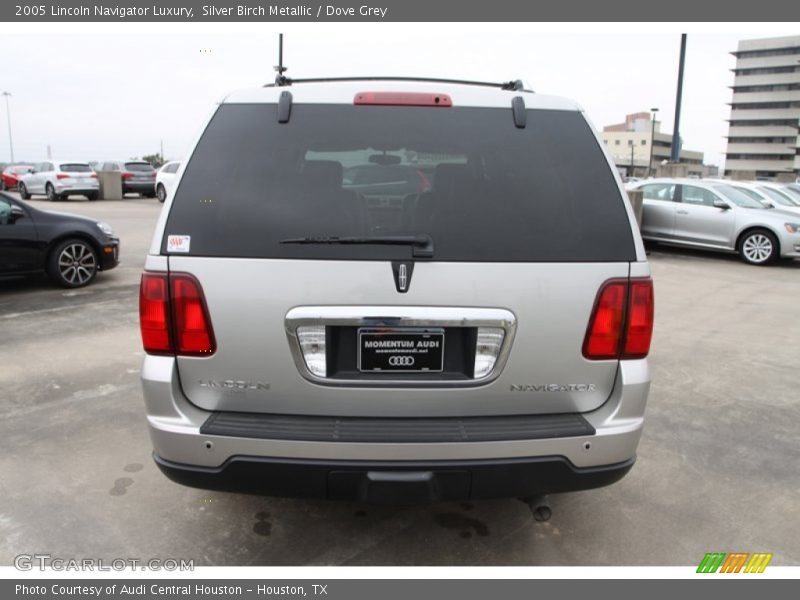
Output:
x,y
767,203
721,204
31,171
16,213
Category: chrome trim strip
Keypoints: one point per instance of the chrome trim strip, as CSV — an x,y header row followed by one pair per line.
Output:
x,y
400,316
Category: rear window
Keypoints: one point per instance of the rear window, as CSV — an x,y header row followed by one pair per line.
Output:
x,y
138,166
75,168
481,188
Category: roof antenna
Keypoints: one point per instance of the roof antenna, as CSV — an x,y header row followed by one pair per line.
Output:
x,y
280,79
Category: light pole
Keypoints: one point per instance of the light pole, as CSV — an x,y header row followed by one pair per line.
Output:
x,y
652,140
8,116
632,147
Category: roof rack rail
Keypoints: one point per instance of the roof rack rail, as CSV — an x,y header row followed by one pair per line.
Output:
x,y
515,85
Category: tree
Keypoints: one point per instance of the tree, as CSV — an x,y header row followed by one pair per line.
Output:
x,y
154,159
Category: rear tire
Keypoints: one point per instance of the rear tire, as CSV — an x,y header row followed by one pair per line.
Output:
x,y
92,196
161,193
758,247
23,191
73,263
50,192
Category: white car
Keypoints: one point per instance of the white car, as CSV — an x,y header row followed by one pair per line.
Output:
x,y
165,179
59,179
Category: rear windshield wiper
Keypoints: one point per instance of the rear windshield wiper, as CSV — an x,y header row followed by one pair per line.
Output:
x,y
422,244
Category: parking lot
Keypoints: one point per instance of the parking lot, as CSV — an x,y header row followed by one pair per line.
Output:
x,y
717,467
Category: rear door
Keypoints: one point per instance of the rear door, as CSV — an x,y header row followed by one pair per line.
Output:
x,y
475,301
36,180
658,211
698,221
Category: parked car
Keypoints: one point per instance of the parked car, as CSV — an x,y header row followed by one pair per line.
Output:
x,y
715,215
71,249
11,176
60,179
165,179
487,338
138,176
779,195
769,197
792,190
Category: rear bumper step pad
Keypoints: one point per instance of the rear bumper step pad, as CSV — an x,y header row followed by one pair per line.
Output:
x,y
395,430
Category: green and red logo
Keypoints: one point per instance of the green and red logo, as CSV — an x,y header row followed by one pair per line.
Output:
x,y
735,562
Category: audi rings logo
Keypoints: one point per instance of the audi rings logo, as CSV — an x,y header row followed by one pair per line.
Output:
x,y
401,361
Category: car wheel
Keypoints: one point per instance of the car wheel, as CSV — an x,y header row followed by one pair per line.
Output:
x,y
50,191
92,196
2,185
23,191
161,193
72,263
758,247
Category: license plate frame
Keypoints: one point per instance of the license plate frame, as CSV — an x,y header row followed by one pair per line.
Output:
x,y
378,359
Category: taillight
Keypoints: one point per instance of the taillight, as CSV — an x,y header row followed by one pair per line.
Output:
x,y
126,175
192,326
621,325
62,176
154,320
641,305
173,316
93,175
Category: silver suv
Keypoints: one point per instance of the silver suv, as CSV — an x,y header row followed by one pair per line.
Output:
x,y
471,322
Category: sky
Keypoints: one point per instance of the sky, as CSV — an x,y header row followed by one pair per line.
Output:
x,y
117,91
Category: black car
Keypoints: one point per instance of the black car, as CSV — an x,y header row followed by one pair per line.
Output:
x,y
71,249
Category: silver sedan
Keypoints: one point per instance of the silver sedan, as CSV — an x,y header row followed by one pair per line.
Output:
x,y
715,215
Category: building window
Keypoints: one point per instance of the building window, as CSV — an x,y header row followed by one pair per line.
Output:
x,y
773,52
766,70
616,142
644,142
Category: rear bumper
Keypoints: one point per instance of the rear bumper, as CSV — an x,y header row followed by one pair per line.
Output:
x,y
194,448
77,189
396,482
139,188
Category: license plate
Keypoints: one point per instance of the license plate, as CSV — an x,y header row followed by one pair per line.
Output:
x,y
406,350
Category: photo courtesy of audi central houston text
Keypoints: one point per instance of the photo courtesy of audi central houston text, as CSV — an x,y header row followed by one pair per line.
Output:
x,y
399,296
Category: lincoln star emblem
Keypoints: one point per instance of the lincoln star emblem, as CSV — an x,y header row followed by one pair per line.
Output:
x,y
402,278
402,271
